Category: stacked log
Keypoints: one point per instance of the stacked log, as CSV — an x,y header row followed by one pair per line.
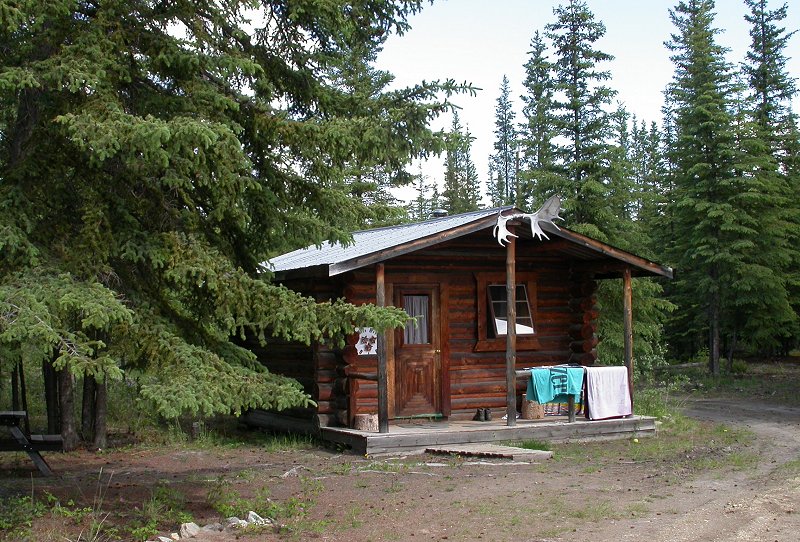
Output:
x,y
583,331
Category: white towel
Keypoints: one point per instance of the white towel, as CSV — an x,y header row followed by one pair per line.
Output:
x,y
607,392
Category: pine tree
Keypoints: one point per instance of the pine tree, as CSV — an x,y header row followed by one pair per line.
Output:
x,y
537,180
145,174
503,163
580,118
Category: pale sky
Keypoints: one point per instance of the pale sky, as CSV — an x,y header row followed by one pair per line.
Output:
x,y
479,41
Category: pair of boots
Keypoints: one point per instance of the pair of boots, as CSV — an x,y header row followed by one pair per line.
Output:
x,y
483,415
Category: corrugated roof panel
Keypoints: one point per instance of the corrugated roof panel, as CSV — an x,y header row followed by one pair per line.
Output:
x,y
368,242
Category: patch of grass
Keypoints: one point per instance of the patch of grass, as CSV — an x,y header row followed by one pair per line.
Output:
x,y
776,381
342,469
384,466
395,486
353,517
166,506
17,514
636,510
286,442
531,445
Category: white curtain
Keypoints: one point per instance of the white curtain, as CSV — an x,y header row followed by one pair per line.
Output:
x,y
416,332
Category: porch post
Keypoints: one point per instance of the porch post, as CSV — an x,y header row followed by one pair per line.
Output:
x,y
383,384
511,333
627,305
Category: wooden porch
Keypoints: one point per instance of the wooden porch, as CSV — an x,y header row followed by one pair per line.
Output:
x,y
416,436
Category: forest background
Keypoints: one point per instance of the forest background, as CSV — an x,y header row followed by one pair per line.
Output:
x,y
155,154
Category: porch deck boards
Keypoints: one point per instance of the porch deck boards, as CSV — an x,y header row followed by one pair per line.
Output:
x,y
416,437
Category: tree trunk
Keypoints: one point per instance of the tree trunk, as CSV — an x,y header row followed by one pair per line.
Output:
x,y
51,397
100,414
15,387
713,353
731,351
68,433
88,407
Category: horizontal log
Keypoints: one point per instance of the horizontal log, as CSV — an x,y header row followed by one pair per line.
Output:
x,y
582,331
340,386
363,376
326,407
323,392
590,316
587,358
581,304
586,345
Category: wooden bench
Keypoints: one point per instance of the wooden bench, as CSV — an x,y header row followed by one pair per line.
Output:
x,y
13,421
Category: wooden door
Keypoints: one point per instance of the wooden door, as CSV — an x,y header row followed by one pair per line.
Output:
x,y
417,353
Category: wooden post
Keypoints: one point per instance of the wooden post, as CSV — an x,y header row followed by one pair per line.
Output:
x,y
383,384
627,304
511,333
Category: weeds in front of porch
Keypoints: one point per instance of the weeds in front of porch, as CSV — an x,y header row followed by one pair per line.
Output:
x,y
531,445
662,400
396,486
166,506
384,466
353,517
342,469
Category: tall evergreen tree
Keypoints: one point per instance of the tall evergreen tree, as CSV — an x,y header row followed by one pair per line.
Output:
x,y
502,189
764,122
152,155
581,120
537,180
461,191
711,229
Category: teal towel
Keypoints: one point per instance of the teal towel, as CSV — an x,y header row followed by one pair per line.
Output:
x,y
555,384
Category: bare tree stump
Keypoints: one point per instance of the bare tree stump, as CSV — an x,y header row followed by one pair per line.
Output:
x,y
531,410
366,422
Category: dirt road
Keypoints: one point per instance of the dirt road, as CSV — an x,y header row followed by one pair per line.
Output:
x,y
661,489
756,505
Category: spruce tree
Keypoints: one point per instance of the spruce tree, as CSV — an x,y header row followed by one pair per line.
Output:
x,y
461,191
771,90
153,155
502,189
581,119
536,133
706,220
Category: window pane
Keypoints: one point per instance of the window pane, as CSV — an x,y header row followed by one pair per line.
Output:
x,y
498,301
416,332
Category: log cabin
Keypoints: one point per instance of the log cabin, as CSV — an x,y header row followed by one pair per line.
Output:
x,y
458,354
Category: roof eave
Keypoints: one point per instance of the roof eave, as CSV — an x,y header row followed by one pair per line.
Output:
x,y
642,264
411,246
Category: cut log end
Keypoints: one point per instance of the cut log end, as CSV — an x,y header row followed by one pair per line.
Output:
x,y
365,422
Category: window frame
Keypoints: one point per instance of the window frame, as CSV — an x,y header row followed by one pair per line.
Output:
x,y
485,342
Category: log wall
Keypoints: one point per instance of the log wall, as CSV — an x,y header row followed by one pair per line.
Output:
x,y
565,320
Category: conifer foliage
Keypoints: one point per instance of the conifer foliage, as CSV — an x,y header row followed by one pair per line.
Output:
x,y
728,226
152,154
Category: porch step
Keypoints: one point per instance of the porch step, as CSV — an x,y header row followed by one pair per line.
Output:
x,y
491,450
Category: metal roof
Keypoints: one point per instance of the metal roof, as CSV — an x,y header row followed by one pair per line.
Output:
x,y
373,246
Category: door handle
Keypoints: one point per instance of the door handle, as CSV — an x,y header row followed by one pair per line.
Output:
x,y
437,351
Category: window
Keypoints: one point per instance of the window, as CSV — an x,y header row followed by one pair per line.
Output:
x,y
493,312
498,305
416,331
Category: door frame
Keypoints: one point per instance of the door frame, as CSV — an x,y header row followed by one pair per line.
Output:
x,y
422,279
